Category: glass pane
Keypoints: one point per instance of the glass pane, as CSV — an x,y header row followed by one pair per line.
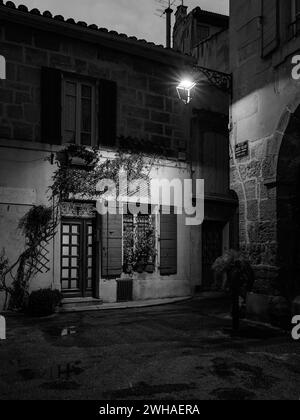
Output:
x,y
90,250
65,250
75,229
70,113
74,251
74,262
65,285
90,262
90,273
74,273
65,274
86,115
90,240
89,284
86,91
71,88
66,228
74,240
90,230
66,240
65,262
74,284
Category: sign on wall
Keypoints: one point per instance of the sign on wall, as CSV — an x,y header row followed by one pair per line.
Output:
x,y
242,150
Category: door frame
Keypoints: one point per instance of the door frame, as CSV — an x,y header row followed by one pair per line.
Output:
x,y
82,293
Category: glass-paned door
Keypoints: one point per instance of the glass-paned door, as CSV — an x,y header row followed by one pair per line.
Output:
x,y
77,257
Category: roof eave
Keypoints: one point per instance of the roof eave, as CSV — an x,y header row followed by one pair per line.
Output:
x,y
117,42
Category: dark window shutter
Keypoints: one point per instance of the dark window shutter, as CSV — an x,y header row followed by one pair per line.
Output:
x,y
168,244
270,26
111,245
51,115
107,113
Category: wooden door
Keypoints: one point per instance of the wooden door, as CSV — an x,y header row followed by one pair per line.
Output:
x,y
77,257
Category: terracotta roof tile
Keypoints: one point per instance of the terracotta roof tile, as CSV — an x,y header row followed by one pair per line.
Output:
x,y
48,15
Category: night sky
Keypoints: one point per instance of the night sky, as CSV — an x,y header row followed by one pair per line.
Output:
x,y
133,17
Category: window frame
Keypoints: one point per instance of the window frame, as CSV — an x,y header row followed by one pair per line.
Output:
x,y
155,216
78,118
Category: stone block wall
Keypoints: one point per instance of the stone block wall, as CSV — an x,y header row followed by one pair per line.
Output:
x,y
264,97
148,107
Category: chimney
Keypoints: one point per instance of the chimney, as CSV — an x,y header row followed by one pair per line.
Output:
x,y
168,13
181,12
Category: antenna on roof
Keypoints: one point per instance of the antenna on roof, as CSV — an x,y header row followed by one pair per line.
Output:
x,y
166,11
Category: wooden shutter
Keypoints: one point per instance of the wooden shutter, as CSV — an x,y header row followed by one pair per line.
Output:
x,y
51,112
270,26
111,245
107,113
168,244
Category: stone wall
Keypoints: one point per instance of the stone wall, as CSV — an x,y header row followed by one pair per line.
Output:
x,y
148,107
264,97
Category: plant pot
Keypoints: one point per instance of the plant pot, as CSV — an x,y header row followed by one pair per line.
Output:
x,y
140,268
150,268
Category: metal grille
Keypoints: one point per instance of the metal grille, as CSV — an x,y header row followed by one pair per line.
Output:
x,y
124,290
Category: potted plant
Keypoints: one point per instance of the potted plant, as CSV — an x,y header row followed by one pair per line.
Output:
x,y
240,279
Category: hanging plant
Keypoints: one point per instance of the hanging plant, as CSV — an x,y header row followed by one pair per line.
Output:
x,y
71,180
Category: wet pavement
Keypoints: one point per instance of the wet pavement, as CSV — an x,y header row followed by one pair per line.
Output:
x,y
180,351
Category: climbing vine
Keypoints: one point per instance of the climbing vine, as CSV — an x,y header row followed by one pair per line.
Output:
x,y
38,227
79,170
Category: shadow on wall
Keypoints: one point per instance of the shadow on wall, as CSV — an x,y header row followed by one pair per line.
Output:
x,y
288,207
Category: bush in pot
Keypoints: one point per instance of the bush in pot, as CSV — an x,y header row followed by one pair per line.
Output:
x,y
240,279
43,302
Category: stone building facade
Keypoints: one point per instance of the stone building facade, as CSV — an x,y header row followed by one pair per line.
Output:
x,y
264,38
130,86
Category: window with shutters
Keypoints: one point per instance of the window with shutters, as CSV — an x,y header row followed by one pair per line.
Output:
x,y
69,113
79,111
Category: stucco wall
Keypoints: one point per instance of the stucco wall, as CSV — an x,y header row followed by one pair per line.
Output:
x,y
148,108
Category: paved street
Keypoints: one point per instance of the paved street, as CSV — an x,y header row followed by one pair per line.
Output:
x,y
179,351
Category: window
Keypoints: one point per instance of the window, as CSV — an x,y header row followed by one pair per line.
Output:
x,y
78,113
295,18
139,242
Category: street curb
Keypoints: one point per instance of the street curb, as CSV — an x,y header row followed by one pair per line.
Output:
x,y
127,305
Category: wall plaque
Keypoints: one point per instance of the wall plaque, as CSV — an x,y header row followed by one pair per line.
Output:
x,y
242,150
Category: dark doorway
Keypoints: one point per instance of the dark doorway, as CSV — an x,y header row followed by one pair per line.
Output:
x,y
212,248
288,208
77,257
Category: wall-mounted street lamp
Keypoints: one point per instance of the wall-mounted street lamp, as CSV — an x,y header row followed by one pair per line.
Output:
x,y
222,81
184,90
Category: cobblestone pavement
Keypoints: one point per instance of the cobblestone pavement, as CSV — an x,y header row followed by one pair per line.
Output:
x,y
180,351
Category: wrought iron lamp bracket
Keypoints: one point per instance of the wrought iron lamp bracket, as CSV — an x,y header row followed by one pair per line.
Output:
x,y
222,81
